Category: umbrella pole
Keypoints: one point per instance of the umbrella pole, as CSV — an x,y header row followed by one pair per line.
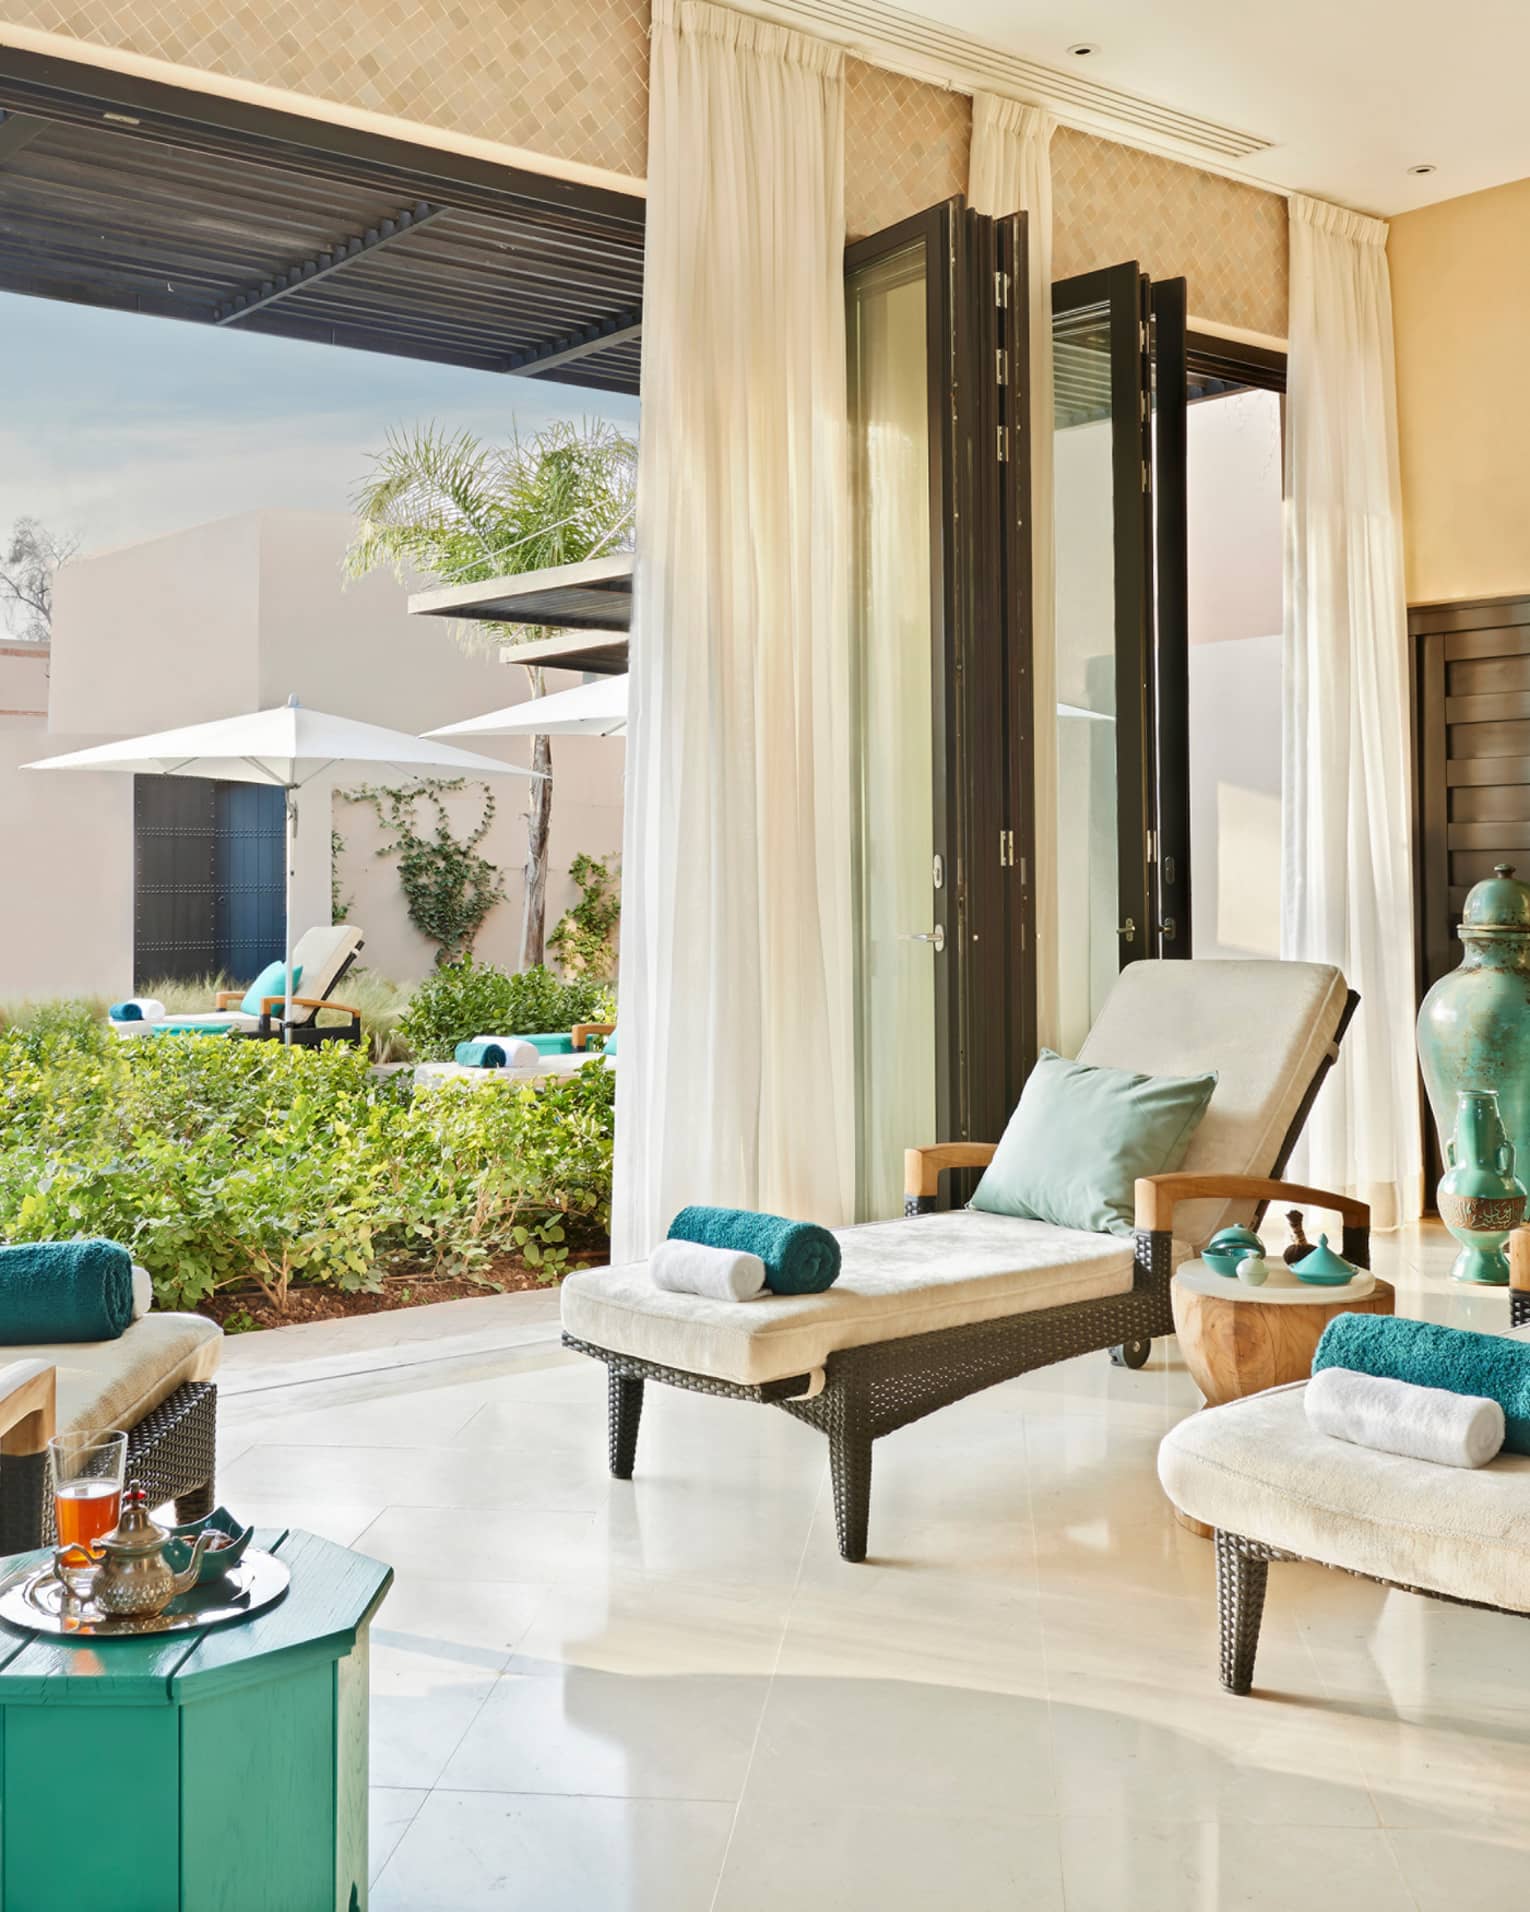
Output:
x,y
287,926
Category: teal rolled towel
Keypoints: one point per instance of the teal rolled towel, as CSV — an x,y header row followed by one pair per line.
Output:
x,y
1431,1356
480,1055
129,1011
64,1291
800,1257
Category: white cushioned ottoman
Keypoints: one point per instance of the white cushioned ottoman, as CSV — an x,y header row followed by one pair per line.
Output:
x,y
897,1279
1255,1467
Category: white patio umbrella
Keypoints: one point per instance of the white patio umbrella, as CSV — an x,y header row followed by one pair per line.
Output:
x,y
597,709
286,747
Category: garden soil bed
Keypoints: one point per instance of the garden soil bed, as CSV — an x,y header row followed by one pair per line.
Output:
x,y
240,1309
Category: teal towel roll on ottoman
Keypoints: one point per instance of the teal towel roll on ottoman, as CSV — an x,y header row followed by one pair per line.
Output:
x,y
800,1257
64,1291
1432,1356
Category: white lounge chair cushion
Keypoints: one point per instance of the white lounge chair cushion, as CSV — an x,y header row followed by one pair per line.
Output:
x,y
897,1279
1263,1026
210,1019
114,1384
1256,1467
430,1075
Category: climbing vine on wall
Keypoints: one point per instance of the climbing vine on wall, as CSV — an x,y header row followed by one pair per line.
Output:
x,y
449,885
582,939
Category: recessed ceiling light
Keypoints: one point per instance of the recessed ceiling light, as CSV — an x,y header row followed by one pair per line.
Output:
x,y
1424,166
1082,49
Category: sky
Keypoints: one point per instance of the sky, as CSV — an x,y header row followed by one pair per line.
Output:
x,y
116,428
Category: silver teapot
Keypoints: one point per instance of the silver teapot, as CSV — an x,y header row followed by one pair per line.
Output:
x,y
133,1579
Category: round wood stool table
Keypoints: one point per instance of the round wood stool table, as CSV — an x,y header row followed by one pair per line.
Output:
x,y
1238,1340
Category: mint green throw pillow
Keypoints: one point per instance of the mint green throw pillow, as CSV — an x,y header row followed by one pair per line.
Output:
x,y
1079,1138
272,981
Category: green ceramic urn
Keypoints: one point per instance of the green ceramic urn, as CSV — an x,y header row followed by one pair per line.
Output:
x,y
1474,1026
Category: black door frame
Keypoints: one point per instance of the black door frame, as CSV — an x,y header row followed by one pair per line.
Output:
x,y
1171,646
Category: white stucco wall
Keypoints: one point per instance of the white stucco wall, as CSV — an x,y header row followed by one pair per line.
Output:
x,y
23,680
236,615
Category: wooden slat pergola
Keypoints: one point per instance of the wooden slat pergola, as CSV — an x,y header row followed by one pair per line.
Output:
x,y
124,193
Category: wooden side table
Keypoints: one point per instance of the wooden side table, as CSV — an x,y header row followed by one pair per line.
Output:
x,y
217,1769
1238,1340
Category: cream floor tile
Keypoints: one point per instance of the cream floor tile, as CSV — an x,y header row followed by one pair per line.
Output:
x,y
1448,1872
652,1624
701,1526
424,1611
480,1481
613,1735
982,1646
391,1811
529,1545
1155,1866
932,1749
473,1852
342,1521
1454,1771
828,1858
424,1698
1145,1752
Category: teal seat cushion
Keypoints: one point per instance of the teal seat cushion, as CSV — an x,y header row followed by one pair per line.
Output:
x,y
272,981
1079,1138
552,1042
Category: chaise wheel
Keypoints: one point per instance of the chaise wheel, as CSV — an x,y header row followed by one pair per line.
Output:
x,y
1132,1354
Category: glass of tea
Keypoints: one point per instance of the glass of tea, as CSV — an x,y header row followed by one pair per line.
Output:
x,y
88,1470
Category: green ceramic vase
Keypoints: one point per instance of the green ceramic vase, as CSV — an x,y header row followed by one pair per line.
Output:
x,y
1480,1197
1474,1026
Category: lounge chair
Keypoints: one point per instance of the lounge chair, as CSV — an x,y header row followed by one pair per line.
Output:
x,y
321,959
942,1304
567,1059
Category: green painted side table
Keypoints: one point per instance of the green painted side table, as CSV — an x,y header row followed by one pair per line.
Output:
x,y
221,1771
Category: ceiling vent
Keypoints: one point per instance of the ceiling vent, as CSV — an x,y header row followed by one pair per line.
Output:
x,y
886,36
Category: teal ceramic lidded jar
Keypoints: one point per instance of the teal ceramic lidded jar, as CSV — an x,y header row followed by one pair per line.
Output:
x,y
1474,1026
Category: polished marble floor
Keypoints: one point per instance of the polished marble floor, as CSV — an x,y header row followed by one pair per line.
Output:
x,y
591,1696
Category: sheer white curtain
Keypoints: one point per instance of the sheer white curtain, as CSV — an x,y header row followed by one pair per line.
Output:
x,y
736,1084
1347,894
1011,171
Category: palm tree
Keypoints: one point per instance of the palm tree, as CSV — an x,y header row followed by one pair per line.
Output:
x,y
460,510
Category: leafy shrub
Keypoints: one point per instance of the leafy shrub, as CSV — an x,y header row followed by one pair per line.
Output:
x,y
216,1161
471,999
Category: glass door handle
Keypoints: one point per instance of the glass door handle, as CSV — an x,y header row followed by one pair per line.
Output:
x,y
936,937
1128,931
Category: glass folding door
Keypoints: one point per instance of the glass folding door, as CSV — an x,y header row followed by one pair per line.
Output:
x,y
1105,771
940,621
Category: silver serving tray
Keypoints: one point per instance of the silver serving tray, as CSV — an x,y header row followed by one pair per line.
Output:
x,y
35,1599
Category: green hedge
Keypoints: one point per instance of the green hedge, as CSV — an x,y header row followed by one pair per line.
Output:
x,y
217,1161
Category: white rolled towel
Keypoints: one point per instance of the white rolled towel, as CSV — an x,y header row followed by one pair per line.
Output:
x,y
691,1268
150,1008
143,1292
519,1054
1398,1417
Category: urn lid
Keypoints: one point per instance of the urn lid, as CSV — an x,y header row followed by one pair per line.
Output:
x,y
1500,901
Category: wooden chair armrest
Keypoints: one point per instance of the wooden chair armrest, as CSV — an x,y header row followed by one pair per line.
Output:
x,y
923,1167
269,1004
226,998
582,1031
27,1407
1159,1195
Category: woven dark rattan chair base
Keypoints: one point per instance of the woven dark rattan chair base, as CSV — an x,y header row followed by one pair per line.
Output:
x,y
173,1450
868,1392
1243,1567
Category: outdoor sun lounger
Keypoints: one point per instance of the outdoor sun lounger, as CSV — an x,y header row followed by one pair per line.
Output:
x,y
430,1075
321,958
943,1303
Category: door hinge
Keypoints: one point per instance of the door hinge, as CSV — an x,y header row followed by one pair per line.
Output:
x,y
1024,869
1142,326
1003,444
1001,290
1006,849
1146,476
1002,361
1152,846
